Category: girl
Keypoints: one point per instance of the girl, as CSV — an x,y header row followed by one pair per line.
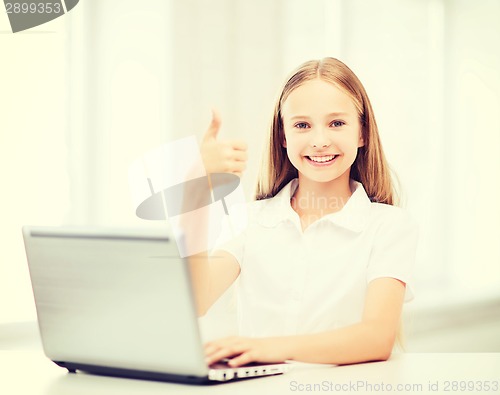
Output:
x,y
324,262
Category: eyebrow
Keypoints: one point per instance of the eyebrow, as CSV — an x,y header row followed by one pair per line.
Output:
x,y
332,114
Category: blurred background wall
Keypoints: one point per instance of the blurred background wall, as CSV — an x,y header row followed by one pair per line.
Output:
x,y
86,94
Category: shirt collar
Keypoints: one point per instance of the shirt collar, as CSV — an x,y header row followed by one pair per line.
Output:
x,y
353,215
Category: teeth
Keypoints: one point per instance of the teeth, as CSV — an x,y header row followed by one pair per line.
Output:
x,y
321,159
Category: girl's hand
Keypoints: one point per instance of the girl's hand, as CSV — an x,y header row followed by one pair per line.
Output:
x,y
227,156
243,350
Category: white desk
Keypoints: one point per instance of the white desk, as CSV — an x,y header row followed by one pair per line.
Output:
x,y
29,372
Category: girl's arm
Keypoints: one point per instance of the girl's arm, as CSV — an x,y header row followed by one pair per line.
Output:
x,y
371,339
212,274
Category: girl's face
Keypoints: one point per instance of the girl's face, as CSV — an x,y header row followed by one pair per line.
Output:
x,y
322,131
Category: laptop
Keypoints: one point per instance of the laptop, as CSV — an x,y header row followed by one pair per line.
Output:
x,y
119,302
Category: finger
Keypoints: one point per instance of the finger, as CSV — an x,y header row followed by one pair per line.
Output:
x,y
238,145
224,353
240,156
236,167
213,129
241,359
213,347
232,166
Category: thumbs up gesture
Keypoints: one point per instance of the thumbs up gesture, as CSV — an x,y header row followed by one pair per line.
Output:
x,y
222,156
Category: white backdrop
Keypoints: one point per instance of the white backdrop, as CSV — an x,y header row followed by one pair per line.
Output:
x,y
83,96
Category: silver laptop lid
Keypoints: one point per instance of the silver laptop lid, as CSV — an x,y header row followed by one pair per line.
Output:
x,y
117,298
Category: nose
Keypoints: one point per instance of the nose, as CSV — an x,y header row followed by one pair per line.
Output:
x,y
320,138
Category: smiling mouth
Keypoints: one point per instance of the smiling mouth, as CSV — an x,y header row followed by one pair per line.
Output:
x,y
322,159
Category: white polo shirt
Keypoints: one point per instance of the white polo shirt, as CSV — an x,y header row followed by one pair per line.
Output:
x,y
297,282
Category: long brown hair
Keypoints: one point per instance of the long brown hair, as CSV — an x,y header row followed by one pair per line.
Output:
x,y
370,167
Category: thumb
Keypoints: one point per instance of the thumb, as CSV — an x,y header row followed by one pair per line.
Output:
x,y
213,129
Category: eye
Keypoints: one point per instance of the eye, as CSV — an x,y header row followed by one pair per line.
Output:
x,y
337,123
301,125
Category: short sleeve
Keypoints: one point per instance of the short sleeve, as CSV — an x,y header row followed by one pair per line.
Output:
x,y
233,234
394,250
